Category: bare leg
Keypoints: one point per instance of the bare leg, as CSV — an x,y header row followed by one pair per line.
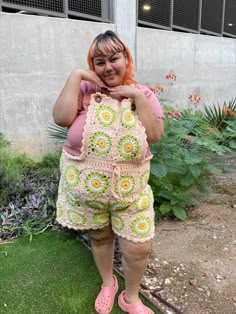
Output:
x,y
134,261
102,241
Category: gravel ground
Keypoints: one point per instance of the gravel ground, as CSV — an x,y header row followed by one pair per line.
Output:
x,y
193,263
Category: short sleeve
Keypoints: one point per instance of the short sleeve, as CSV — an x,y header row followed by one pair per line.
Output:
x,y
156,107
86,89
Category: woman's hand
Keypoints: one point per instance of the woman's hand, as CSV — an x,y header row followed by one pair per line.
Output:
x,y
154,126
66,106
91,76
125,91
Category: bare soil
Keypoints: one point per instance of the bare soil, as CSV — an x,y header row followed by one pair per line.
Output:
x,y
193,263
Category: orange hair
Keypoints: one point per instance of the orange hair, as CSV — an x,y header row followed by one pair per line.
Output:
x,y
107,43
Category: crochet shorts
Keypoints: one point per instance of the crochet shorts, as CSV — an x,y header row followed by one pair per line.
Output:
x,y
93,194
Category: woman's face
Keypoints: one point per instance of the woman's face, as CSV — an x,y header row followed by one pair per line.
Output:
x,y
111,68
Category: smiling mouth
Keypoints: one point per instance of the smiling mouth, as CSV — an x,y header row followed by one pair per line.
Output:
x,y
110,75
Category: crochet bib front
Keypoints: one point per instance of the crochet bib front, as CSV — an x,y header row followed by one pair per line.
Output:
x,y
113,132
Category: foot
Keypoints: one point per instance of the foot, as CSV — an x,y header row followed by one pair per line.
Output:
x,y
105,299
133,308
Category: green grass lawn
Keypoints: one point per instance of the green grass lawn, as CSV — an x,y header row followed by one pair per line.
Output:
x,y
53,274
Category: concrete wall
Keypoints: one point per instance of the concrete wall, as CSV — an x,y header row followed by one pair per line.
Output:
x,y
38,53
205,64
36,56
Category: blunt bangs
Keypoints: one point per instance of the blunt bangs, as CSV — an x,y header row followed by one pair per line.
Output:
x,y
106,47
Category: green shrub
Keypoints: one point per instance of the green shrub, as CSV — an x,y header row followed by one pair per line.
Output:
x,y
218,116
28,193
10,170
57,133
183,159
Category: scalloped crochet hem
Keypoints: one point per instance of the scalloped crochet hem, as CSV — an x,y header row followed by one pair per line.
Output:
x,y
135,240
70,226
129,238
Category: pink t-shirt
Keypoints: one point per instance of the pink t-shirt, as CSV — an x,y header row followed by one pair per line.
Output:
x,y
75,132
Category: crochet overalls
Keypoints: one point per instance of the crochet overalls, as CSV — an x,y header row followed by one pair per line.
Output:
x,y
107,183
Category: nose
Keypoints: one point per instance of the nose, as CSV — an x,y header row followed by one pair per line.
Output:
x,y
108,66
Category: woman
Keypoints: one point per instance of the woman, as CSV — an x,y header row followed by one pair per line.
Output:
x,y
105,165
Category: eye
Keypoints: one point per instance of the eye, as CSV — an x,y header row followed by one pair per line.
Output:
x,y
100,63
114,59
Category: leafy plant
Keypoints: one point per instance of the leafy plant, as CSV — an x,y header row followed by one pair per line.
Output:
x,y
28,193
10,170
223,137
218,115
3,141
57,133
183,160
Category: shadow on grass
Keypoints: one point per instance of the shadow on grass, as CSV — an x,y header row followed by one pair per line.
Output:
x,y
54,274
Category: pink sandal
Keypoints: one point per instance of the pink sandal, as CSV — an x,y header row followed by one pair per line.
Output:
x,y
105,299
133,308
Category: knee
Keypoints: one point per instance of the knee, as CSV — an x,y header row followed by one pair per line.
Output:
x,y
101,236
136,252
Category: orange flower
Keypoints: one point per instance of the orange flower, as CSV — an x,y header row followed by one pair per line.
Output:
x,y
173,114
156,89
228,111
171,76
194,98
152,88
159,89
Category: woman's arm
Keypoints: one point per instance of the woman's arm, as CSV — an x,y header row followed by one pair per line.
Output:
x,y
66,107
153,125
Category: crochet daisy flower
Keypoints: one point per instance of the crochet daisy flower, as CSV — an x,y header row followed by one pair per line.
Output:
x,y
141,226
128,119
100,143
105,115
117,223
75,218
143,202
128,147
96,183
72,176
125,185
100,219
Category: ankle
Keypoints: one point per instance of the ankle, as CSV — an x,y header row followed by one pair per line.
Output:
x,y
131,298
109,282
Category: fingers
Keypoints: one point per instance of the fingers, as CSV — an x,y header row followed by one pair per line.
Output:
x,y
115,91
89,75
122,90
112,90
101,84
